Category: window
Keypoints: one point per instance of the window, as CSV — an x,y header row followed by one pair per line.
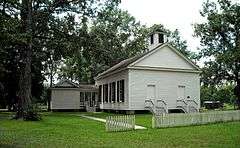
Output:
x,y
118,88
105,92
100,94
112,91
120,91
152,39
181,92
160,38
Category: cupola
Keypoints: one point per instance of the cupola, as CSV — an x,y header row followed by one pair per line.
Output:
x,y
156,38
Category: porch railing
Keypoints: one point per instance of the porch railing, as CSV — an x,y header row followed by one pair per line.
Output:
x,y
159,107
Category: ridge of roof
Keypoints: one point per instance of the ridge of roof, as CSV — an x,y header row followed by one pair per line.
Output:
x,y
65,80
80,85
185,57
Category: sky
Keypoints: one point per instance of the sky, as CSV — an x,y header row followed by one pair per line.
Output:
x,y
173,14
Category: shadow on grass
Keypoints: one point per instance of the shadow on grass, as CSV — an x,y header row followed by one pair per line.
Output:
x,y
7,145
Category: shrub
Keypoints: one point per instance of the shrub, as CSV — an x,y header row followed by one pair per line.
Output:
x,y
32,114
223,94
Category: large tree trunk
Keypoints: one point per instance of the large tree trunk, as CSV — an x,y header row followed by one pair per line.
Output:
x,y
24,93
25,81
51,83
237,93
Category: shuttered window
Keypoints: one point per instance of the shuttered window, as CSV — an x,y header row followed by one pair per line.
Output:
x,y
100,94
113,92
105,92
120,91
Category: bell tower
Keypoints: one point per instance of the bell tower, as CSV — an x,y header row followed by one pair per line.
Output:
x,y
156,38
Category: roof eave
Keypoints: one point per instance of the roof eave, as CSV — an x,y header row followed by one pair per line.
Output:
x,y
110,73
163,69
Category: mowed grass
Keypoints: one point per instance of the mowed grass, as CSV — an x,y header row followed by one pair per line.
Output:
x,y
67,130
141,119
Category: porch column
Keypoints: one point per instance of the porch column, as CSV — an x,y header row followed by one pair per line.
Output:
x,y
101,94
109,101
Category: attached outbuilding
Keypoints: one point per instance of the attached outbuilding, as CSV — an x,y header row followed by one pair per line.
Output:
x,y
67,95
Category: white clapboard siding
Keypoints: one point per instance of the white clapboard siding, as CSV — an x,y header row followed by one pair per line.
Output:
x,y
166,84
65,98
165,57
120,123
173,120
123,75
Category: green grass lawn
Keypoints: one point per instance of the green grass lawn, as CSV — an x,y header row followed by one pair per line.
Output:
x,y
66,130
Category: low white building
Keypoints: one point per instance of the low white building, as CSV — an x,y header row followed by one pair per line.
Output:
x,y
160,80
66,95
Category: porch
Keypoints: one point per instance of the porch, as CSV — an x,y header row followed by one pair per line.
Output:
x,y
89,99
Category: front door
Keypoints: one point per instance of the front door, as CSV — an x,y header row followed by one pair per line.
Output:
x,y
151,92
181,92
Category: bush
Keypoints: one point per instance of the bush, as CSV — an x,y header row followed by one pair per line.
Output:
x,y
32,114
224,94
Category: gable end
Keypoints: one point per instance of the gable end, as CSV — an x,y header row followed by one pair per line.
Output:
x,y
165,56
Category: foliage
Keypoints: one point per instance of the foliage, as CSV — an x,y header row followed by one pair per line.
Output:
x,y
32,114
34,36
220,39
223,94
113,38
71,39
113,35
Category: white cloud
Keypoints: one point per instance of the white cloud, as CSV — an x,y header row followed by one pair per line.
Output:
x,y
173,14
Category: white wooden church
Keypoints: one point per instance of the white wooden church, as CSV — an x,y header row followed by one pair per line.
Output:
x,y
160,80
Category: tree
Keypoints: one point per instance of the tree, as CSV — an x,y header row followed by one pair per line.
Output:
x,y
85,37
112,36
29,28
26,51
9,25
223,93
220,39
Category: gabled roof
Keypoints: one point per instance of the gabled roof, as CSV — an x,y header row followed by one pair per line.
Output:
x,y
131,61
65,81
69,84
87,86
